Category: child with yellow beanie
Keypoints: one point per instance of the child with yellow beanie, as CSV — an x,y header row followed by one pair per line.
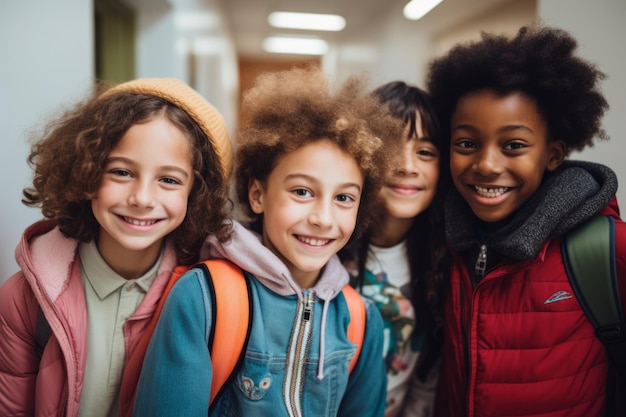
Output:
x,y
130,182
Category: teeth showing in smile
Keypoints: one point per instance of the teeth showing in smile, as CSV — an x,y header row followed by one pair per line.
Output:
x,y
139,222
313,242
490,192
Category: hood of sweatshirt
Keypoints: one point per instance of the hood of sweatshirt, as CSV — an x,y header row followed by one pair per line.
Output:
x,y
246,250
573,193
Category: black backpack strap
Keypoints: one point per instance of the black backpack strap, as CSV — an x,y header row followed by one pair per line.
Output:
x,y
42,332
589,258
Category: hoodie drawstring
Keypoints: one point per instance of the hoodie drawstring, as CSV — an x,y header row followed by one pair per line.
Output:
x,y
320,366
326,295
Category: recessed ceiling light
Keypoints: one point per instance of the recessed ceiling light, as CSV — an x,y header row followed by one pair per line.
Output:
x,y
416,9
302,46
308,21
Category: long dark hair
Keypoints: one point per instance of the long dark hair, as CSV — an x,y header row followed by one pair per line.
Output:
x,y
427,254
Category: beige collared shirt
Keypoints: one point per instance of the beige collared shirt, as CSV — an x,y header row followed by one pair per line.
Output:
x,y
111,299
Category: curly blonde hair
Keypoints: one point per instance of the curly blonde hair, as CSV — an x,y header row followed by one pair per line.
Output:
x,y
289,109
70,157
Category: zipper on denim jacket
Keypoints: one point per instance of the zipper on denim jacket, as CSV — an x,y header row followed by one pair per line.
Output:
x,y
299,344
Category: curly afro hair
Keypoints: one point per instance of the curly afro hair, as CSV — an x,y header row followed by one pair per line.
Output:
x,y
539,62
289,109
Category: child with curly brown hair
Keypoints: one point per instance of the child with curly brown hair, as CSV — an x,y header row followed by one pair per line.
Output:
x,y
130,182
517,341
310,162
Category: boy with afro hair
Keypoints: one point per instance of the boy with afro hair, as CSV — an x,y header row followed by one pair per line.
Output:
x,y
517,341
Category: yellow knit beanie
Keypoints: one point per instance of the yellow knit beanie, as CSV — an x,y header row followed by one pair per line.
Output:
x,y
201,111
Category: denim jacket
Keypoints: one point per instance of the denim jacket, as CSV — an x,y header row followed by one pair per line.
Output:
x,y
297,357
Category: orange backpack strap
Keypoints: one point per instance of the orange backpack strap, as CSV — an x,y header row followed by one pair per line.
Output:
x,y
132,369
232,319
358,317
230,330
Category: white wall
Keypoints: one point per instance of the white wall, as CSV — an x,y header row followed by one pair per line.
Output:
x,y
46,53
599,27
155,41
189,40
505,18
394,48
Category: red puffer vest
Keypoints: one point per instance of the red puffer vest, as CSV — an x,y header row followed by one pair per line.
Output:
x,y
519,343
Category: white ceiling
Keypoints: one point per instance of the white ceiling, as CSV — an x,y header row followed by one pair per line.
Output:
x,y
247,19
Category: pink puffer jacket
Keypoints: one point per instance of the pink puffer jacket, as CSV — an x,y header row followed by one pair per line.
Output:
x,y
50,278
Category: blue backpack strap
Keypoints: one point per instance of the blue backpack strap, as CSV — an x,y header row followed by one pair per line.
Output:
x,y
589,257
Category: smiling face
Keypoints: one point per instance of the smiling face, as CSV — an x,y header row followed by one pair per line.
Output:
x,y
499,152
309,204
143,194
410,188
